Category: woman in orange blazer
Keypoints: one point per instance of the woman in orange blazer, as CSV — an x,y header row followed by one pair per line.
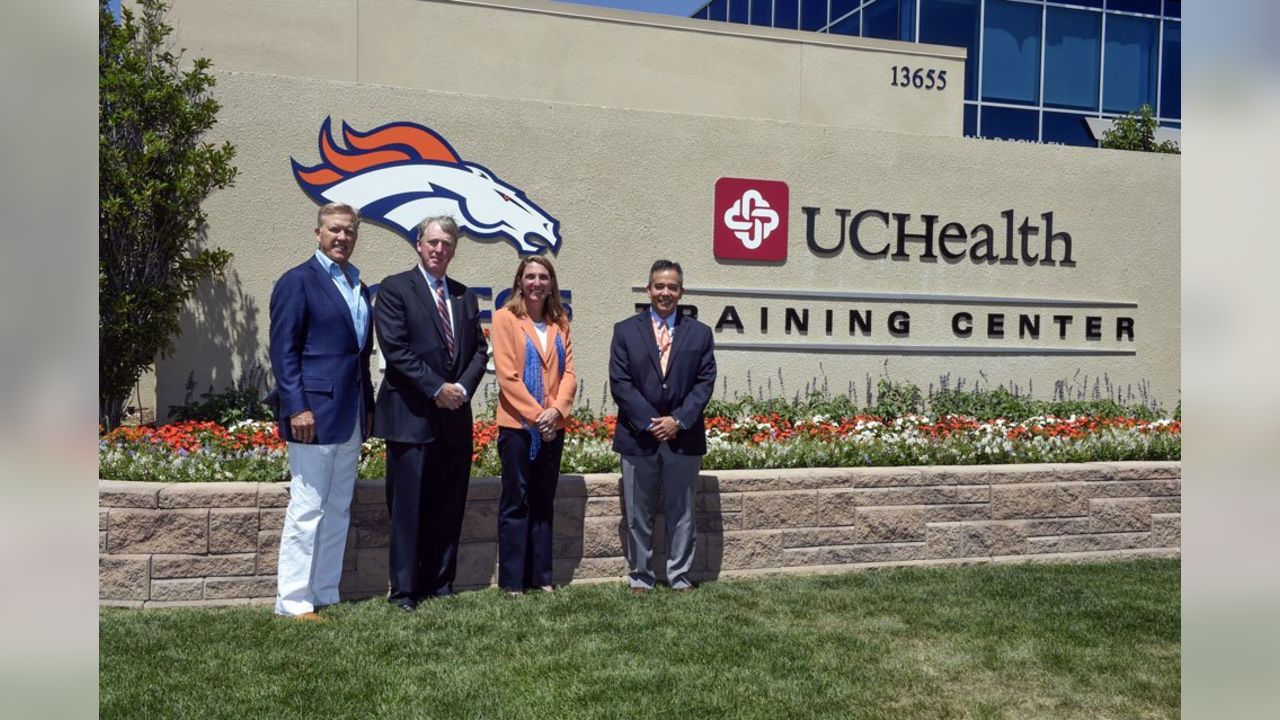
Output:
x,y
536,386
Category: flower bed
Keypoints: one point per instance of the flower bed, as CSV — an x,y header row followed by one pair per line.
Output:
x,y
253,451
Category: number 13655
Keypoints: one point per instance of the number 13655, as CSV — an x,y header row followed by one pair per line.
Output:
x,y
921,78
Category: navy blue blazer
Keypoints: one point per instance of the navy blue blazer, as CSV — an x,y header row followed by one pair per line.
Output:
x,y
642,393
411,339
315,358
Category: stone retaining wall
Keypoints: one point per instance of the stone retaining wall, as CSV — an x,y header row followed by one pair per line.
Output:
x,y
216,543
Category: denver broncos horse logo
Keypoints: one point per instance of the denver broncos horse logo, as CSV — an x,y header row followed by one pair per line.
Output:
x,y
401,172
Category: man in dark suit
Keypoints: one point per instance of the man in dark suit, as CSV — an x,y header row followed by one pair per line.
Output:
x,y
428,328
662,369
320,346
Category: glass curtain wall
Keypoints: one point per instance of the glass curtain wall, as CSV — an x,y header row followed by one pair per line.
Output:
x,y
1036,68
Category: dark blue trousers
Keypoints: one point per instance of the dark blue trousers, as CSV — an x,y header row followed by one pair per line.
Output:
x,y
526,508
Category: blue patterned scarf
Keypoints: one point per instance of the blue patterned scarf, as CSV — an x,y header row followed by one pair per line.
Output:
x,y
533,382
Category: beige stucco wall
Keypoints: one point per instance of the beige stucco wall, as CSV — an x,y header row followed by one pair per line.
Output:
x,y
631,185
541,50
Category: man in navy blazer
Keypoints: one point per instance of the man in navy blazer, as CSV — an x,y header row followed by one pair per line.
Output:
x,y
321,337
428,328
662,370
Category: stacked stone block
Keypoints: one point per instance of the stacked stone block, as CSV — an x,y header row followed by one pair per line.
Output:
x,y
216,543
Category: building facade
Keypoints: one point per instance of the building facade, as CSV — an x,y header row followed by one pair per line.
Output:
x,y
835,228
1035,70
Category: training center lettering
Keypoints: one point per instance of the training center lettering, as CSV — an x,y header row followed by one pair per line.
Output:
x,y
898,323
953,240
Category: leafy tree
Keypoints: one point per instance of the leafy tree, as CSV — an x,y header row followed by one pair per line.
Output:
x,y
154,171
1137,131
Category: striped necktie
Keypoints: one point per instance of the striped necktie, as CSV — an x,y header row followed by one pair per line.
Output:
x,y
444,317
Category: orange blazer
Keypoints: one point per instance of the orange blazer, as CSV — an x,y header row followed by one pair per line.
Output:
x,y
515,405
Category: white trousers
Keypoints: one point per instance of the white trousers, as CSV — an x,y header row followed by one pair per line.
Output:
x,y
314,537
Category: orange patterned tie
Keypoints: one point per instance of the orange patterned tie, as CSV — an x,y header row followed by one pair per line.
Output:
x,y
664,343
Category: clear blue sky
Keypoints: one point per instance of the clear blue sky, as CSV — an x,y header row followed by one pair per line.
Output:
x,y
683,8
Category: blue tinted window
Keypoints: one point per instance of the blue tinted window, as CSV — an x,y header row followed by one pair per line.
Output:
x,y
701,14
954,22
762,13
1011,55
840,8
850,25
717,10
1085,3
1067,129
880,20
1174,125
1072,52
970,120
786,13
1010,124
1171,72
1129,68
1173,8
907,20
1151,7
813,14
738,11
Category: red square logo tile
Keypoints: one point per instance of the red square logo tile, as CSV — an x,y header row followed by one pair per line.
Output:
x,y
751,219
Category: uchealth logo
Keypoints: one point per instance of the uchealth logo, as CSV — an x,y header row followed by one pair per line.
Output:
x,y
401,172
751,219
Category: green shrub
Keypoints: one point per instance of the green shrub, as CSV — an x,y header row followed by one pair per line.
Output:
x,y
1137,131
225,407
1000,403
894,400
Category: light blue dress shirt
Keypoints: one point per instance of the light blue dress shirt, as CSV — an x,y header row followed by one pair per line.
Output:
x,y
349,286
670,320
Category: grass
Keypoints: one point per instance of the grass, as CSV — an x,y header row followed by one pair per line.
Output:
x,y
990,641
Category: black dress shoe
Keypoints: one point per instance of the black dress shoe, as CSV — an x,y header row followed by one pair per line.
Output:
x,y
406,604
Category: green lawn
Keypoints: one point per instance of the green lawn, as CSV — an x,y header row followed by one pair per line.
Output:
x,y
1009,641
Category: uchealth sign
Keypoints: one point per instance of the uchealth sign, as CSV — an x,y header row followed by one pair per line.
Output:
x,y
751,219
751,224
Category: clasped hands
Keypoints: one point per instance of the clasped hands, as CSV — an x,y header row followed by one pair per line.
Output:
x,y
546,423
450,397
664,428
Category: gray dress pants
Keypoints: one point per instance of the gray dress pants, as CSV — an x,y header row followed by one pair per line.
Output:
x,y
643,478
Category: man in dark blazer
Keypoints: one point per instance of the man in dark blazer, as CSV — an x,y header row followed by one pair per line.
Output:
x,y
428,328
320,345
662,369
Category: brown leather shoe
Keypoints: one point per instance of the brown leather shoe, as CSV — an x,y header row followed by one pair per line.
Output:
x,y
308,616
639,590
